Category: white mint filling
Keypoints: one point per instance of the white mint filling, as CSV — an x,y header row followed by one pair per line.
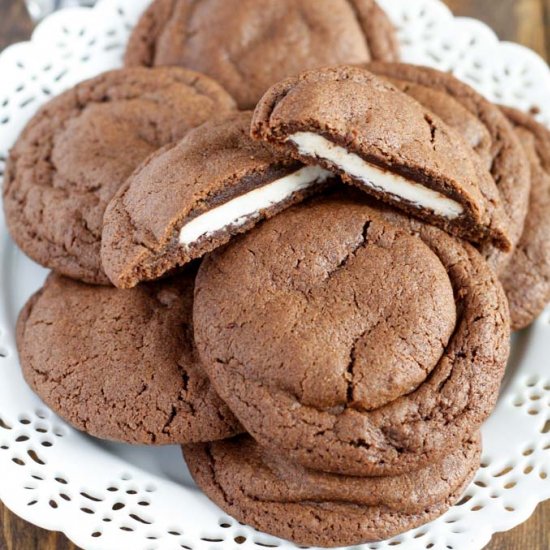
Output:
x,y
314,145
238,210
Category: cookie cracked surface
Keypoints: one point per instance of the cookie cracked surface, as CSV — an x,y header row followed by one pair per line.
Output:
x,y
121,365
352,338
526,278
248,45
193,196
262,488
387,144
79,148
484,127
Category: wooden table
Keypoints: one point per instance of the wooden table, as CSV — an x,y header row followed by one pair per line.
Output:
x,y
523,21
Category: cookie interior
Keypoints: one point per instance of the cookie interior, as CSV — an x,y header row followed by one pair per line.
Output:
x,y
247,206
384,142
78,150
374,177
193,196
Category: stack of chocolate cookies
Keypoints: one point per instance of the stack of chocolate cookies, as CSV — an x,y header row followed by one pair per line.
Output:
x,y
301,263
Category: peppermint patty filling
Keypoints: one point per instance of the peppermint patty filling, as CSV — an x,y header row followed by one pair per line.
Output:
x,y
239,210
373,177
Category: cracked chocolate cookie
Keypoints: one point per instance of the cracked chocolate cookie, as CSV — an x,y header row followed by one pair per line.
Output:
x,y
526,278
121,365
194,195
263,489
485,128
352,338
388,145
248,45
80,147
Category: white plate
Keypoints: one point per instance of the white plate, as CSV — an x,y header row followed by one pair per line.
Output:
x,y
106,496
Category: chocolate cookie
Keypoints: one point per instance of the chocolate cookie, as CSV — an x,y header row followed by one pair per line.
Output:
x,y
387,144
486,129
191,197
81,146
248,45
526,278
351,338
121,365
260,487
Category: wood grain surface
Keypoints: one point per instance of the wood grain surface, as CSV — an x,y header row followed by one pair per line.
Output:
x,y
523,21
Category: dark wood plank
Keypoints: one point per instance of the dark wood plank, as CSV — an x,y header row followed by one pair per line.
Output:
x,y
15,24
546,15
515,20
534,534
17,534
524,21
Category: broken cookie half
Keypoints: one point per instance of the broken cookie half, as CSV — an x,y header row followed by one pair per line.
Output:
x,y
193,196
387,144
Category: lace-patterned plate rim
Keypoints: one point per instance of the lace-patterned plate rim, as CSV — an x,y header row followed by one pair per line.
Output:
x,y
105,496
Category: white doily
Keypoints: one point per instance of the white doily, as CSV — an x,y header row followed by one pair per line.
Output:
x,y
106,496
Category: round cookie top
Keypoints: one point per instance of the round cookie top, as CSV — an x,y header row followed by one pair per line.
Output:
x,y
121,365
526,278
262,488
248,45
81,146
194,195
486,129
351,338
